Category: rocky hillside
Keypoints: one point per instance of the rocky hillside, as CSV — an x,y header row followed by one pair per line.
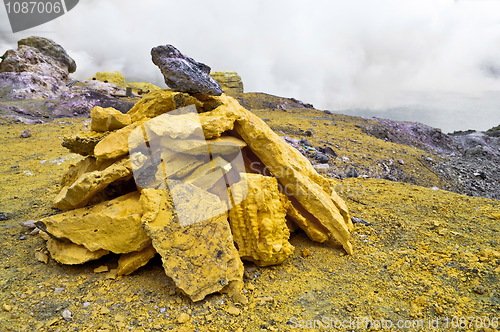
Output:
x,y
35,84
462,162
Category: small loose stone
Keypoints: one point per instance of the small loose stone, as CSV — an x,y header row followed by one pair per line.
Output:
x,y
25,133
101,269
232,310
306,253
59,290
67,315
41,257
120,318
105,310
183,318
479,290
29,225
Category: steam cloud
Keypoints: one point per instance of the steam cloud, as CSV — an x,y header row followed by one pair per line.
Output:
x,y
425,59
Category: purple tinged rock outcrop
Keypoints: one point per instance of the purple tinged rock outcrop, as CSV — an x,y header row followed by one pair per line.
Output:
x,y
184,74
27,85
39,70
41,56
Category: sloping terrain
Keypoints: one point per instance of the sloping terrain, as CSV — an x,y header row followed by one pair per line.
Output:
x,y
423,255
464,162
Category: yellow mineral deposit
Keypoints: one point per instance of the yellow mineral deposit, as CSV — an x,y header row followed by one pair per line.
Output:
x,y
79,193
114,77
84,143
258,223
182,210
208,174
71,254
179,165
201,257
116,144
117,78
223,145
160,102
128,263
112,225
230,81
219,120
106,119
175,126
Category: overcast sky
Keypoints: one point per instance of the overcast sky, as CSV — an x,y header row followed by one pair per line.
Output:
x,y
434,61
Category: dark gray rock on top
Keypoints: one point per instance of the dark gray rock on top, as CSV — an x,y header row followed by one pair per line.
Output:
x,y
184,74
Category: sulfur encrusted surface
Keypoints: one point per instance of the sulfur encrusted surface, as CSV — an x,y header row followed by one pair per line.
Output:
x,y
427,254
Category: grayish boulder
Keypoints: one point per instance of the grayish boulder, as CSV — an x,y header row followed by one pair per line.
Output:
x,y
184,74
50,48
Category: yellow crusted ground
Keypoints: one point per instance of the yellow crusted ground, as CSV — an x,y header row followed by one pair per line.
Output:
x,y
425,255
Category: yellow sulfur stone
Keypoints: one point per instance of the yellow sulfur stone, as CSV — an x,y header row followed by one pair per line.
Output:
x,y
230,81
219,120
223,145
143,87
113,225
71,254
88,164
258,223
175,126
117,78
79,193
159,102
101,269
128,263
200,257
295,174
116,144
83,143
306,221
106,119
208,174
329,187
114,77
177,165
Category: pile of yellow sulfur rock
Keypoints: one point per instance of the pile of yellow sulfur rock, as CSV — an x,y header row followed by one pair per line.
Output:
x,y
199,210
